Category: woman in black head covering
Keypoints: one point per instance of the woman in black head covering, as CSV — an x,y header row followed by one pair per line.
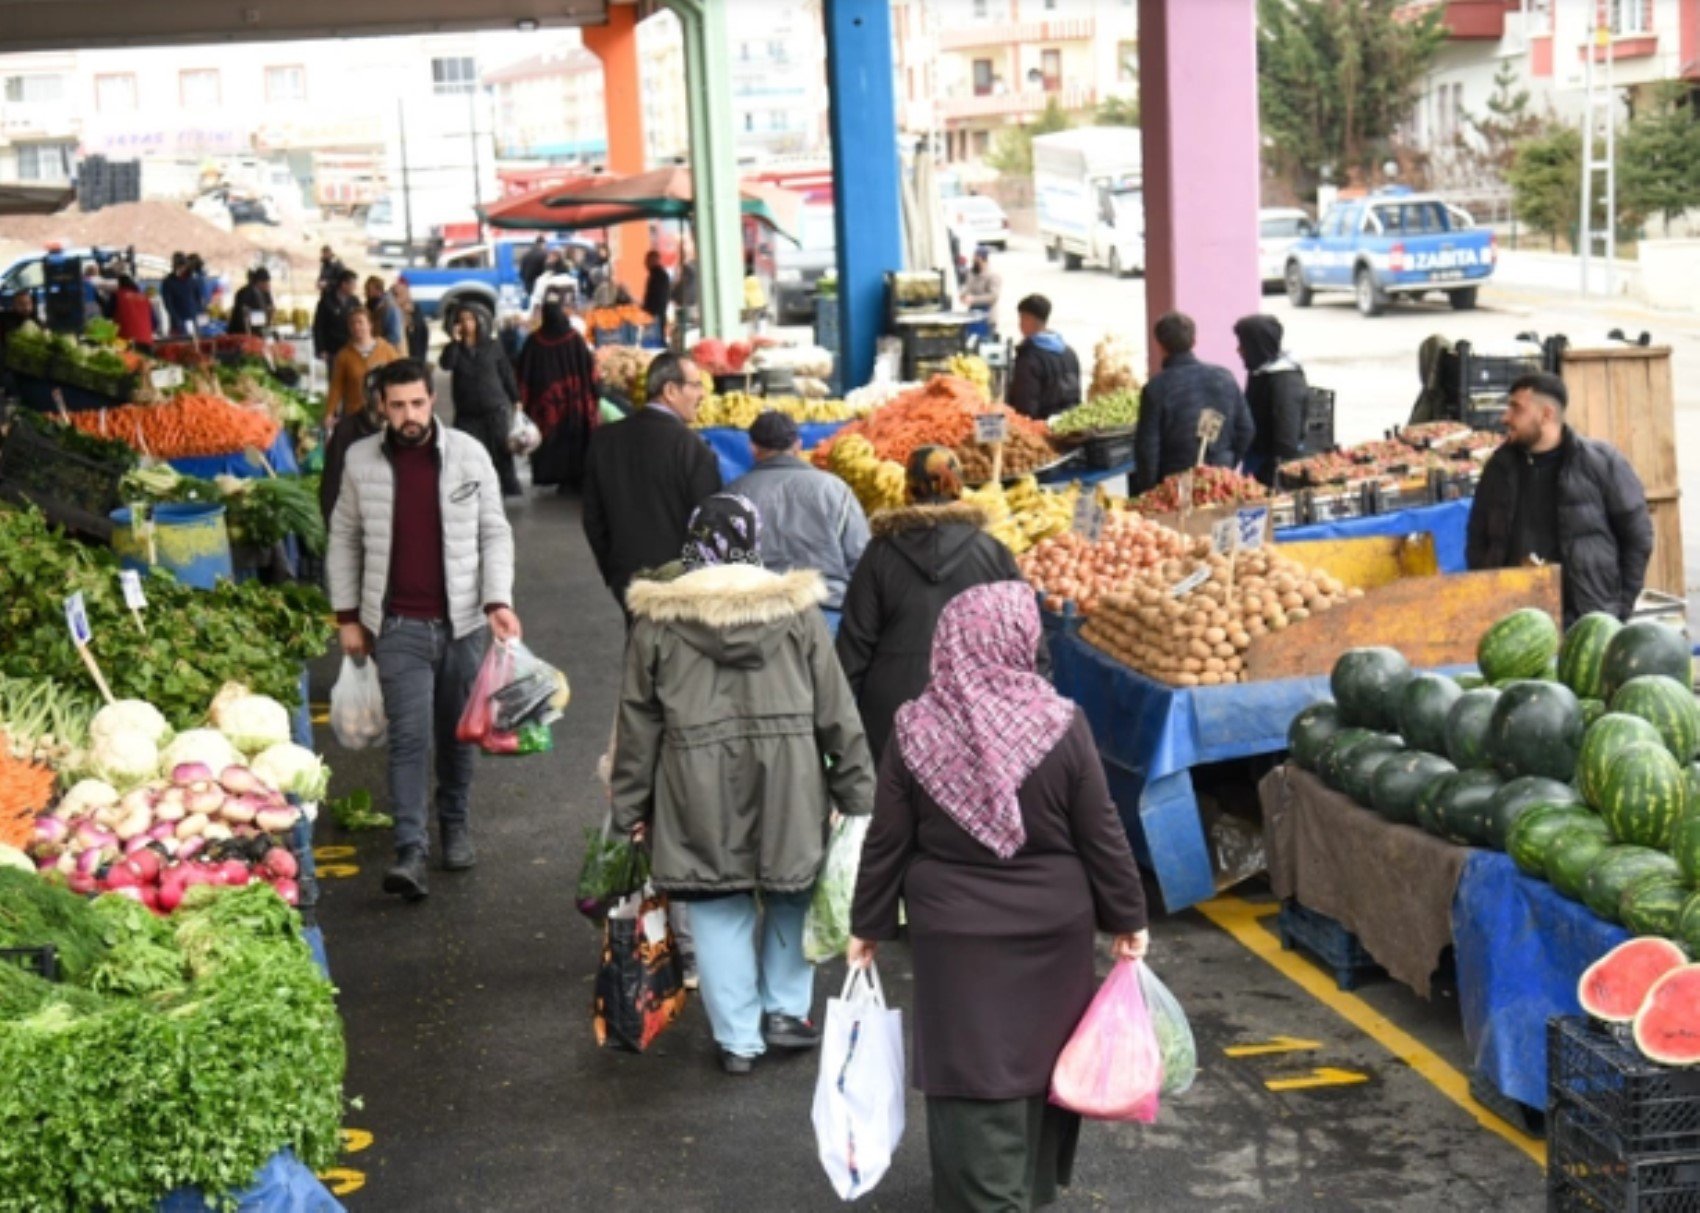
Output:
x,y
557,386
1276,391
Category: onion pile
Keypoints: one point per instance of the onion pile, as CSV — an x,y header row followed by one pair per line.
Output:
x,y
1068,568
1200,638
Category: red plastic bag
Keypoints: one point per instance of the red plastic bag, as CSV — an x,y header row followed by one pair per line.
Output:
x,y
477,724
1111,1068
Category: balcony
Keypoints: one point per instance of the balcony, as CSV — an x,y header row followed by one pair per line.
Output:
x,y
1011,33
1465,20
1025,104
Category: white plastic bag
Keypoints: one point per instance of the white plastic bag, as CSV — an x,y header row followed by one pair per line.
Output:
x,y
826,927
523,436
858,1112
357,706
1174,1034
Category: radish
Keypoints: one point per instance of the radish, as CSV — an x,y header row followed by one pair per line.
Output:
x,y
172,806
276,821
288,890
120,876
205,801
217,831
239,780
191,826
81,884
135,826
185,773
241,809
170,894
50,831
88,863
279,864
130,891
146,865
188,848
150,898
235,873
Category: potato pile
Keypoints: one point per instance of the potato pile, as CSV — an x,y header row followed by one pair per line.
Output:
x,y
1200,638
1023,453
1070,568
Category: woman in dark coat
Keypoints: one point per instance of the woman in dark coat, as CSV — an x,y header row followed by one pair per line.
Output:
x,y
993,824
1276,393
482,385
557,385
919,559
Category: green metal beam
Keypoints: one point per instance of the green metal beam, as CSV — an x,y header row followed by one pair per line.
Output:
x,y
714,165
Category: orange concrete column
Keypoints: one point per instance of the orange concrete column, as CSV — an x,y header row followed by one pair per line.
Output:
x,y
616,44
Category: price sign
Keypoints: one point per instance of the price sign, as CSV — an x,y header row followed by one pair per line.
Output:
x,y
1209,425
1253,525
1183,493
77,619
256,320
164,378
1191,582
1089,517
131,583
990,428
1225,535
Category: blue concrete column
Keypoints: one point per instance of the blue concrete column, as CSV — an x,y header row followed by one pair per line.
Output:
x,y
864,175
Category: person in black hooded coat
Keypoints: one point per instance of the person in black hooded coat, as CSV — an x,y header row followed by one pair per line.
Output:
x,y
1276,392
484,390
557,385
920,558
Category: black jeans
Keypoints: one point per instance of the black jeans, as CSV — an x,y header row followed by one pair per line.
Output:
x,y
491,429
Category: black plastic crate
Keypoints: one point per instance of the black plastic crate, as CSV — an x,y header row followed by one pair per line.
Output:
x,y
1328,941
923,341
76,489
43,960
1589,1173
1647,1106
1316,434
1109,448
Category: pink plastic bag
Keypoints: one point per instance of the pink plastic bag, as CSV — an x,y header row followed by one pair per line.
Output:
x,y
1111,1068
476,725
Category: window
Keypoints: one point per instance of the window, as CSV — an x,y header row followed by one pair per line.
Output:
x,y
198,88
749,121
1630,16
35,90
458,74
982,77
115,94
982,142
1284,227
981,10
1127,62
286,84
44,161
1050,67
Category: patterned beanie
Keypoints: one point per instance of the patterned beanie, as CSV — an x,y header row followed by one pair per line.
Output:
x,y
726,529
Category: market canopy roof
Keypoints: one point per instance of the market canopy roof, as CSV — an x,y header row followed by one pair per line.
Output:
x,y
35,199
664,193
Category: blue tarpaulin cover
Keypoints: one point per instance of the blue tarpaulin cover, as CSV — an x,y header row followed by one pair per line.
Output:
x,y
1521,948
281,456
284,1185
1448,522
732,446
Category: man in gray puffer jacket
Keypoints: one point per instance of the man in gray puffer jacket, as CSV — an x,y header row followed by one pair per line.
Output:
x,y
421,571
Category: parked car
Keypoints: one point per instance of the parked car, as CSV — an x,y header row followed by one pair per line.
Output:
x,y
485,274
1392,242
1279,228
1088,187
977,220
798,267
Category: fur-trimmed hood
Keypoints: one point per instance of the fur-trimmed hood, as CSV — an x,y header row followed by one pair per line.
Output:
x,y
729,611
925,518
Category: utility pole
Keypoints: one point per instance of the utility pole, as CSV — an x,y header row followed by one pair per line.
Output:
x,y
406,184
1596,108
477,171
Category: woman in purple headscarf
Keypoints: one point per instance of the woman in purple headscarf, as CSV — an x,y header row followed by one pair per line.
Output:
x,y
992,822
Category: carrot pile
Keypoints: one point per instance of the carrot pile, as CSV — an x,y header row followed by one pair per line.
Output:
x,y
614,317
185,427
25,790
940,412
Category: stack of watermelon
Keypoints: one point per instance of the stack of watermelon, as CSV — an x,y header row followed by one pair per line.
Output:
x,y
1576,756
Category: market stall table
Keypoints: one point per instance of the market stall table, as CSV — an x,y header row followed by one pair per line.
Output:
x,y
281,456
1077,473
732,447
1448,522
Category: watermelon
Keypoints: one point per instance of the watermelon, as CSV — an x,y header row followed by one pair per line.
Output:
x,y
1456,808
1613,988
1532,834
1366,684
1688,925
1519,796
1645,794
1331,766
1667,1023
1645,647
1592,710
1423,705
1310,728
1583,653
1469,682
1653,906
1536,729
1518,646
1574,850
1616,869
1685,844
1467,728
1400,782
1358,768
1600,744
1668,706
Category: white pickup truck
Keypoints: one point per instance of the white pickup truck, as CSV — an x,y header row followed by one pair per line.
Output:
x,y
1089,191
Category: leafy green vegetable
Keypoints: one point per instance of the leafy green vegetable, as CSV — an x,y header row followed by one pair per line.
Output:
x,y
70,438
354,812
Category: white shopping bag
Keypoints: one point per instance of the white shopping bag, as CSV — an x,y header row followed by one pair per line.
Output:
x,y
858,1112
523,435
357,706
826,927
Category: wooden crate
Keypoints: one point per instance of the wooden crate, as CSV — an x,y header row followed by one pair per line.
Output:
x,y
1623,395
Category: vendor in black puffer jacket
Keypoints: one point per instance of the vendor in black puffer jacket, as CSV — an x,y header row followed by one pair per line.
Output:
x,y
1551,496
484,389
1276,392
920,558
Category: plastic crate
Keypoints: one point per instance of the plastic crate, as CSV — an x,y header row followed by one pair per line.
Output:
x,y
1589,1173
1645,1106
924,341
1316,434
43,960
116,389
1328,941
1109,448
80,490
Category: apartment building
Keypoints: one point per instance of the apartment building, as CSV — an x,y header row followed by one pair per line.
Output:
x,y
549,106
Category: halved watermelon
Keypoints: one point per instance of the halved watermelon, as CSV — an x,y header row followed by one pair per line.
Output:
x,y
1667,1024
1613,988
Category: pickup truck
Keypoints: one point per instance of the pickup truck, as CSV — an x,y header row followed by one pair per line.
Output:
x,y
1389,243
485,274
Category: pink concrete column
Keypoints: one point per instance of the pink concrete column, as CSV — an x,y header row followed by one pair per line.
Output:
x,y
1198,101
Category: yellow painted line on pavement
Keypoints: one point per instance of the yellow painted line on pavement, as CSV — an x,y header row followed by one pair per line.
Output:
x,y
1322,1076
1242,920
1278,1044
355,1140
343,1181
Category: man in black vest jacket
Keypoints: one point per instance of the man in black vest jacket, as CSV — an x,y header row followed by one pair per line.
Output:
x,y
1551,496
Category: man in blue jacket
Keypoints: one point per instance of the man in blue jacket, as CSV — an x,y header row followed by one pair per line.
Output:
x,y
1045,379
181,293
1166,440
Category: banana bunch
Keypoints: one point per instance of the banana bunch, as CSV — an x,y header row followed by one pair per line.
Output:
x,y
1024,513
973,368
739,410
879,484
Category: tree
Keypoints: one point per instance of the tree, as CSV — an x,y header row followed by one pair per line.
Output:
x,y
1336,78
1546,181
1507,124
1119,111
1012,150
1658,157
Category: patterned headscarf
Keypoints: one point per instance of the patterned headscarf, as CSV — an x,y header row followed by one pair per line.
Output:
x,y
726,529
934,475
986,720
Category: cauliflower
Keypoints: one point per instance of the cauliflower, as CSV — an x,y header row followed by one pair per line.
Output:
x,y
85,797
206,746
130,716
294,770
124,758
252,722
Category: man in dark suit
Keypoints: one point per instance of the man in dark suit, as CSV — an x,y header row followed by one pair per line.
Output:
x,y
644,476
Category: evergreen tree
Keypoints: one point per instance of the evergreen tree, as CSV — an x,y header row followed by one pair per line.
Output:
x,y
1546,181
1012,150
1507,123
1658,157
1118,111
